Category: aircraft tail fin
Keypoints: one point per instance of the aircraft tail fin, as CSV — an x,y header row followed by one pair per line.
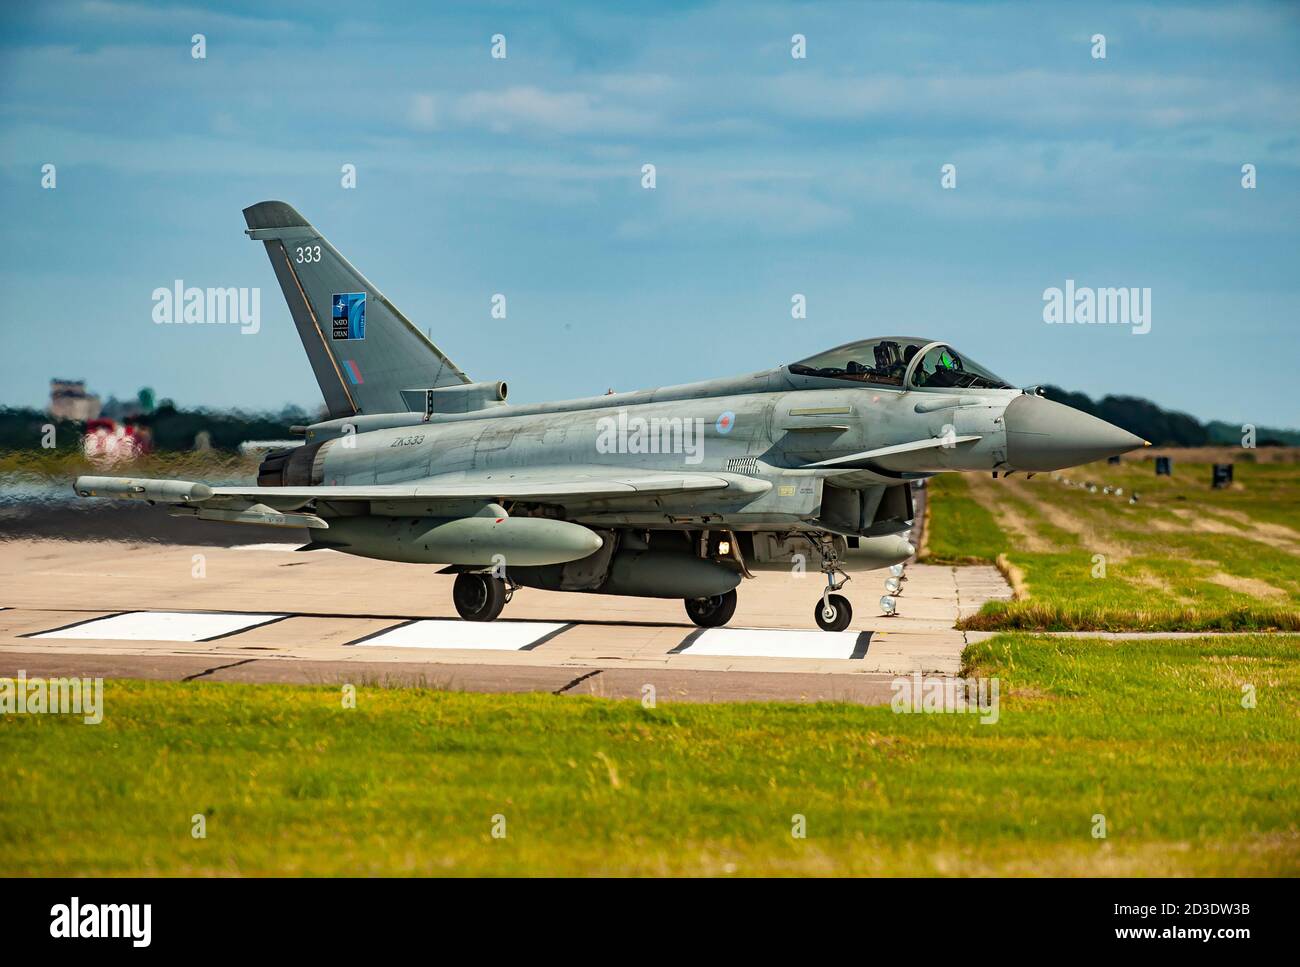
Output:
x,y
363,351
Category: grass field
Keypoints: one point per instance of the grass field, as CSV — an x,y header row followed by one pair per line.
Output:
x,y
65,465
1183,558
1151,735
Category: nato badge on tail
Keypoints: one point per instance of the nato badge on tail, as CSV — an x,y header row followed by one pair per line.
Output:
x,y
350,315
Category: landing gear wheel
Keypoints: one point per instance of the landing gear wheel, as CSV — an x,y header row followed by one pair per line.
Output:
x,y
834,614
712,612
478,597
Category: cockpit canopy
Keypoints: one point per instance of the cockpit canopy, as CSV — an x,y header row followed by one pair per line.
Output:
x,y
893,359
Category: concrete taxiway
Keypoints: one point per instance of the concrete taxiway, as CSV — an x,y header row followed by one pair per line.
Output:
x,y
266,612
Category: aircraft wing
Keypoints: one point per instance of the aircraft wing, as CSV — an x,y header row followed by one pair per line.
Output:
x,y
556,485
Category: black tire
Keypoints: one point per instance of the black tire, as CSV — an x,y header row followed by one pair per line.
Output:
x,y
712,612
841,613
478,597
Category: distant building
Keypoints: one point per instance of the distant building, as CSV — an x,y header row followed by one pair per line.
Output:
x,y
70,401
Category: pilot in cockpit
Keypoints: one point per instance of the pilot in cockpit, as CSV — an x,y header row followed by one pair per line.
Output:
x,y
885,362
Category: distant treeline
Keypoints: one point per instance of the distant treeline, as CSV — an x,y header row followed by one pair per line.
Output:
x,y
176,429
171,428
1168,427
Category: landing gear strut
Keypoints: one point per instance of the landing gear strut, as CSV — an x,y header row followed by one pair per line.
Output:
x,y
833,611
712,612
479,597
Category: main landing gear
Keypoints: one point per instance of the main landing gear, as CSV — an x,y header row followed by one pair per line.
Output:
x,y
712,612
480,597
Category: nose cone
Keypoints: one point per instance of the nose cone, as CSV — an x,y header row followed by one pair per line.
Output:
x,y
1042,435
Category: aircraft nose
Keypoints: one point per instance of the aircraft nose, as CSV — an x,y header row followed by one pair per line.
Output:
x,y
1042,435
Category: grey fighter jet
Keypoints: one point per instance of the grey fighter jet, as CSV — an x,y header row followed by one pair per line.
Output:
x,y
678,492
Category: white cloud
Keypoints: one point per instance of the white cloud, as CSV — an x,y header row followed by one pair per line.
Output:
x,y
532,107
188,19
701,199
1100,98
423,114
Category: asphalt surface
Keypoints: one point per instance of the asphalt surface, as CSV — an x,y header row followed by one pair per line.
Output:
x,y
86,520
229,606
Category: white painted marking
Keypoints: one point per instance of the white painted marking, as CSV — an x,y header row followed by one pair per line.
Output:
x,y
265,547
757,643
478,635
163,626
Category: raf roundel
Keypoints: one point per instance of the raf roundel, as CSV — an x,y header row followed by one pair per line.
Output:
x,y
725,422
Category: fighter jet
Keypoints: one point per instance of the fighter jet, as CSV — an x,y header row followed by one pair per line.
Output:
x,y
677,492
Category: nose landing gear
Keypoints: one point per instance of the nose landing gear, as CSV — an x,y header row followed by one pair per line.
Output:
x,y
833,611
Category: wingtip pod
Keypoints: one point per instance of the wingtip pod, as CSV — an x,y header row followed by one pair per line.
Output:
x,y
143,488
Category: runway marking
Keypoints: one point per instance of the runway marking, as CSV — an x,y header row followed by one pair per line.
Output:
x,y
441,633
190,626
549,635
84,621
687,641
763,643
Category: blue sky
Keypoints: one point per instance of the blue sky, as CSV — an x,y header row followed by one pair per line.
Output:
x,y
775,176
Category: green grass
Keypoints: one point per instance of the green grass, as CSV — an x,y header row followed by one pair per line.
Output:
x,y
1152,735
65,465
1116,616
1269,492
1184,558
961,531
